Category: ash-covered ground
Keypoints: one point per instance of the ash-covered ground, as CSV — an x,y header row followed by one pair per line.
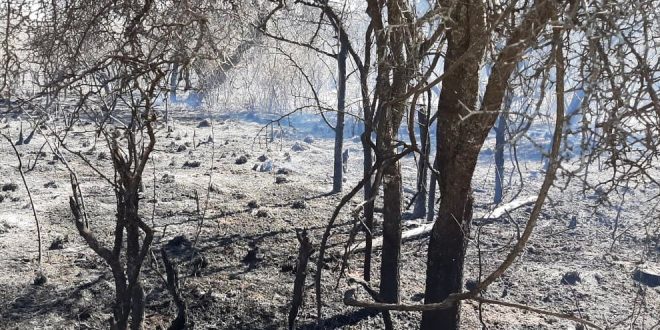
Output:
x,y
249,195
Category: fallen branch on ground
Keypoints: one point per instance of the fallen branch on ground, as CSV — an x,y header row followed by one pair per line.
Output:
x,y
426,228
350,300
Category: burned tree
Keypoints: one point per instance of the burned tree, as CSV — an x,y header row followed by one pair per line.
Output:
x,y
116,77
460,138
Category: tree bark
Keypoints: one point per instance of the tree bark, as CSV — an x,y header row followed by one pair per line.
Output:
x,y
430,213
419,210
174,82
369,191
337,179
456,156
391,255
499,158
460,140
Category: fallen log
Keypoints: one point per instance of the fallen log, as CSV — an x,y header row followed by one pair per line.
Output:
x,y
498,212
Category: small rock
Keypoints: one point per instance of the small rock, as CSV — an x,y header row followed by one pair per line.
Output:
x,y
178,241
238,195
58,243
192,163
50,184
299,204
309,139
288,267
280,180
40,279
287,156
298,147
215,188
255,167
253,204
283,171
471,284
84,315
204,123
571,278
197,292
252,255
262,158
262,213
599,278
266,166
647,276
167,178
181,148
241,160
9,187
198,263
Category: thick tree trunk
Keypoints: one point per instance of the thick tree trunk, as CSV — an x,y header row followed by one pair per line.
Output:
x,y
458,143
337,179
392,196
448,242
133,257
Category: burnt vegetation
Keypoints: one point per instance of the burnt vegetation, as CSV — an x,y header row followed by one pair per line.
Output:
x,y
262,164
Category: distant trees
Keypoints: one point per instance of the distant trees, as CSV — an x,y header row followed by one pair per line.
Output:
x,y
329,39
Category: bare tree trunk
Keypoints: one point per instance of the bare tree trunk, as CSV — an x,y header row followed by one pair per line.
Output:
x,y
174,81
500,129
389,268
392,208
419,210
455,160
459,143
430,214
369,192
337,179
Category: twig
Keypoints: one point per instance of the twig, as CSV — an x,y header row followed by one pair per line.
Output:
x,y
349,299
34,211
